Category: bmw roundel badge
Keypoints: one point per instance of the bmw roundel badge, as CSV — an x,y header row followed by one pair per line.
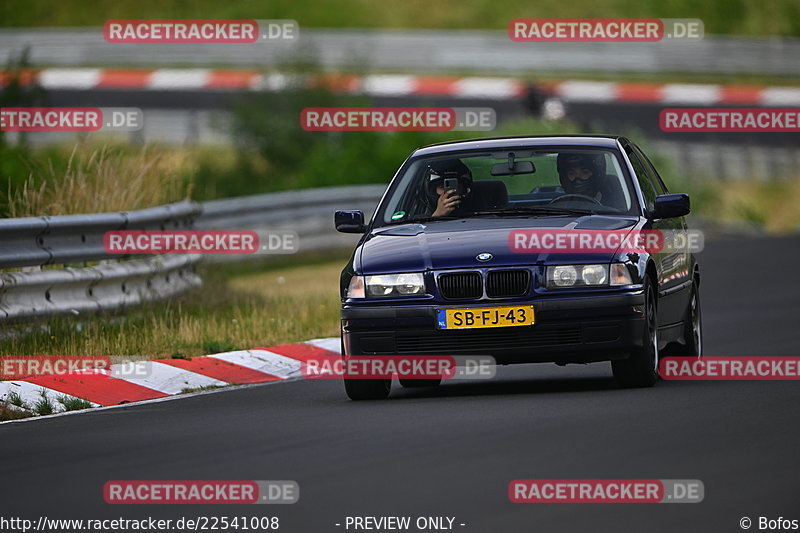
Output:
x,y
485,256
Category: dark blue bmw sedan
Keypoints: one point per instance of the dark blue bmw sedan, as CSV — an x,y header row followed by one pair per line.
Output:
x,y
475,249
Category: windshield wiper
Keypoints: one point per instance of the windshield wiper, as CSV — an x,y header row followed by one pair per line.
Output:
x,y
538,210
421,220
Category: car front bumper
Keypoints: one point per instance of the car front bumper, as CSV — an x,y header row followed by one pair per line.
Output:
x,y
574,329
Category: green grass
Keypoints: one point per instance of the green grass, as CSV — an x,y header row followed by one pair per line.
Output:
x,y
70,403
772,206
63,181
218,347
16,400
15,408
743,17
44,405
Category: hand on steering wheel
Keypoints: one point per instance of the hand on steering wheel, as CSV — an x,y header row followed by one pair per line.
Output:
x,y
568,197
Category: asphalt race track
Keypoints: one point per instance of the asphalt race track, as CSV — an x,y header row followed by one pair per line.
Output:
x,y
452,451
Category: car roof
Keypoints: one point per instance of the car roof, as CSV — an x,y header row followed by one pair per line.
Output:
x,y
594,141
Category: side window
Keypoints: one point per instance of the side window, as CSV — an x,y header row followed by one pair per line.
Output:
x,y
653,173
645,183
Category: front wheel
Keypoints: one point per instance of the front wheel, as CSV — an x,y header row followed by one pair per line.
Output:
x,y
367,389
640,369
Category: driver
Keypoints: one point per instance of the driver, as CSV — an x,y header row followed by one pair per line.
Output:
x,y
584,175
448,202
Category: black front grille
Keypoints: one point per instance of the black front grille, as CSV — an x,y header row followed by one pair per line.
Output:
x,y
461,285
486,340
507,283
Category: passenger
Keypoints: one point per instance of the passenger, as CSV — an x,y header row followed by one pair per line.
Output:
x,y
453,201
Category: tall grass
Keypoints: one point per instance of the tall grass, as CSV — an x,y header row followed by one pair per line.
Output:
x,y
94,180
769,205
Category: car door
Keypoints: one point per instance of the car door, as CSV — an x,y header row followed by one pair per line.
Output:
x,y
671,266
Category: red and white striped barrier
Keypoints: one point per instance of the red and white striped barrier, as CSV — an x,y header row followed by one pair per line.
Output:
x,y
406,85
166,377
207,79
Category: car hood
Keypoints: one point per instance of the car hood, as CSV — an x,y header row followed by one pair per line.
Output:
x,y
449,244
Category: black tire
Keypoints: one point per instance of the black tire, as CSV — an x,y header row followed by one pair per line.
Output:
x,y
367,389
414,383
640,369
692,328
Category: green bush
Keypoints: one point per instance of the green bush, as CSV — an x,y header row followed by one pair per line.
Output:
x,y
275,153
15,163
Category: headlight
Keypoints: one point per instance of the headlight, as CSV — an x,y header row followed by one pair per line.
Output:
x,y
395,284
588,276
594,274
562,276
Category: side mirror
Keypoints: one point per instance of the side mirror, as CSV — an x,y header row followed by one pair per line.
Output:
x,y
671,206
349,221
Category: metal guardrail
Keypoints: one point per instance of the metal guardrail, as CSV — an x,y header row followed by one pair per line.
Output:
x,y
308,213
113,284
40,241
88,290
117,283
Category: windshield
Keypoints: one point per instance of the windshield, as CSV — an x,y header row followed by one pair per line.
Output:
x,y
509,182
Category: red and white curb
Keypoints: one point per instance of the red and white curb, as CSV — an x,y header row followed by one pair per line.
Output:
x,y
407,85
167,377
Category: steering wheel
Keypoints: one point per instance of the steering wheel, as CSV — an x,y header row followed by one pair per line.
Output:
x,y
568,197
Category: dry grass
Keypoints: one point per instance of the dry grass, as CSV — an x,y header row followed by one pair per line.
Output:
x,y
103,179
774,205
